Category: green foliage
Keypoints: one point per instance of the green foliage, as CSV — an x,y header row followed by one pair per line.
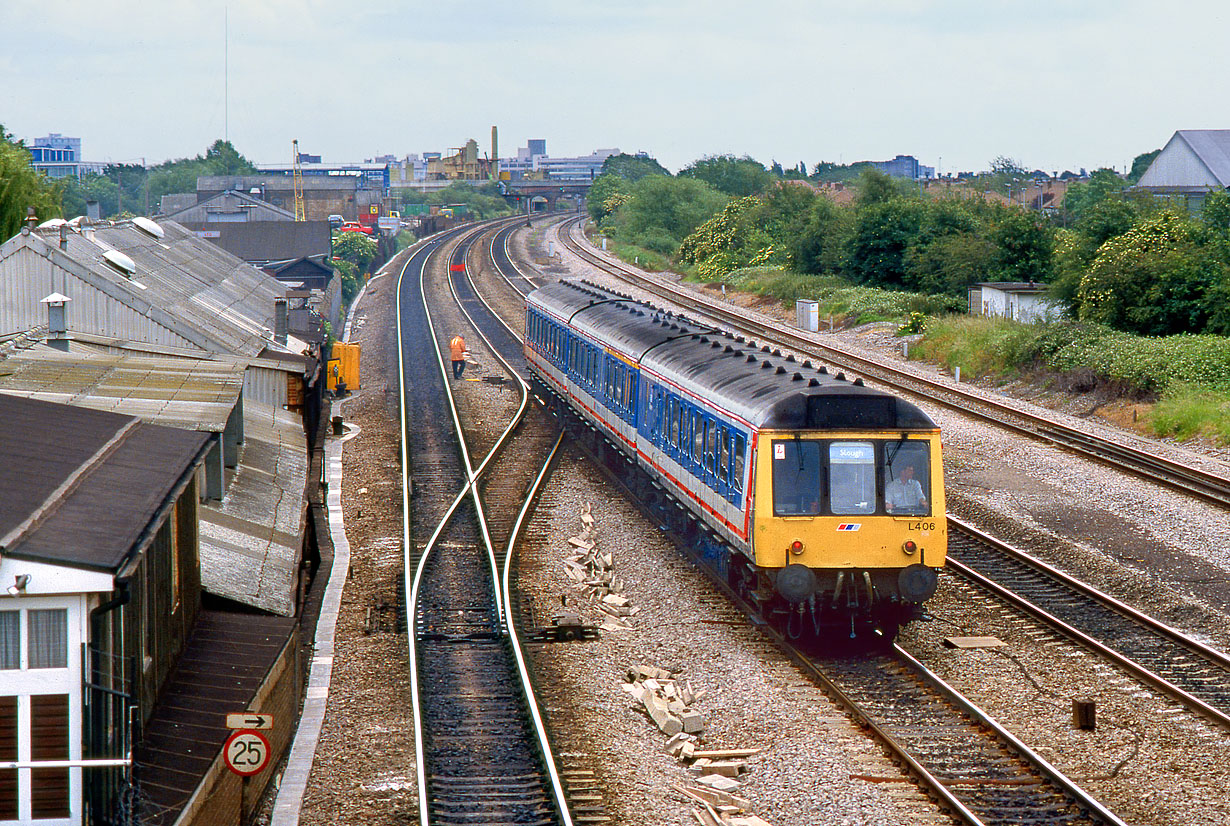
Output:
x,y
883,232
1080,198
632,167
1084,351
599,201
837,297
738,177
351,281
660,208
1023,247
877,187
21,187
355,248
733,238
912,325
1184,412
951,264
482,201
1140,164
1153,279
818,238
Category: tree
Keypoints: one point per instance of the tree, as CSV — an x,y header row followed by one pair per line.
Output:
x,y
1141,164
665,210
22,187
1103,183
1157,279
737,177
817,243
883,233
950,264
875,187
632,167
1024,247
598,201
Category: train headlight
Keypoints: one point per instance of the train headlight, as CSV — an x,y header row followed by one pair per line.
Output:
x,y
909,547
796,547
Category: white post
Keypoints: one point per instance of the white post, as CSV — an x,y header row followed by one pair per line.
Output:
x,y
956,371
604,245
905,349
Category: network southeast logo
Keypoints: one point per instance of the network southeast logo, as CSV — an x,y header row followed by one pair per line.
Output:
x,y
849,526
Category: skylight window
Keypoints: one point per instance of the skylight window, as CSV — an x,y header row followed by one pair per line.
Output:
x,y
149,227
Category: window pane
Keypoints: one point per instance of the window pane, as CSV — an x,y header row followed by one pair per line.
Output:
x,y
10,639
740,462
49,638
907,478
796,477
852,477
8,753
724,457
49,741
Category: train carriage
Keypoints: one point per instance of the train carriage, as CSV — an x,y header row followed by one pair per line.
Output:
x,y
801,475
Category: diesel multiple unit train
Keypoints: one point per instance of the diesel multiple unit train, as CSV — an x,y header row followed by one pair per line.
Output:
x,y
821,499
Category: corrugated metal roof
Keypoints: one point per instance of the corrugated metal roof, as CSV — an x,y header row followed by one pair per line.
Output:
x,y
191,394
81,486
199,290
1213,147
251,541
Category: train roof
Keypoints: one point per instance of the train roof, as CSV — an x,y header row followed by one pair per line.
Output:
x,y
765,388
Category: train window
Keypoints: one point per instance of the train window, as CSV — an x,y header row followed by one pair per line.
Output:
x,y
740,461
711,446
852,477
673,422
724,454
698,440
796,477
907,478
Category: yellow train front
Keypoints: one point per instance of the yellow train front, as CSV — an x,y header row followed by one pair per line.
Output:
x,y
848,522
820,499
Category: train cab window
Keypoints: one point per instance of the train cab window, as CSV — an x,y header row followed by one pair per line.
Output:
x,y
796,477
852,477
740,462
907,478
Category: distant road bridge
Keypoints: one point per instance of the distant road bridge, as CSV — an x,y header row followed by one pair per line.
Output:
x,y
543,196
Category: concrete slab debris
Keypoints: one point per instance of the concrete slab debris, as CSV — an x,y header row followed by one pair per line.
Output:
x,y
973,642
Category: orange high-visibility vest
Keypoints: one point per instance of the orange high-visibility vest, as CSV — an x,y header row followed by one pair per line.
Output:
x,y
457,347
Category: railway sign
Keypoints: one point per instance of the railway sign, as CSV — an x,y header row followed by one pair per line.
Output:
x,y
246,752
250,720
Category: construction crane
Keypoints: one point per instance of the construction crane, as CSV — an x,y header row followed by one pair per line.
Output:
x,y
300,212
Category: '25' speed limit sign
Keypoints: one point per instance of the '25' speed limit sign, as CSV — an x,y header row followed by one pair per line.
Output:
x,y
246,752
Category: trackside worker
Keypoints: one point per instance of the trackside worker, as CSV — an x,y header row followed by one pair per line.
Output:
x,y
457,351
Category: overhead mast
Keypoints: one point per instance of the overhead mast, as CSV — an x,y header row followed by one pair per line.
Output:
x,y
300,213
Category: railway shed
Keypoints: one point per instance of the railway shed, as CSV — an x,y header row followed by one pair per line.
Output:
x,y
157,324
252,537
99,558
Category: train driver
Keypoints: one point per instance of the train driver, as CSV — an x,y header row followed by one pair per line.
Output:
x,y
905,494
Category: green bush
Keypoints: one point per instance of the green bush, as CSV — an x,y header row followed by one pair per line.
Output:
x,y
1185,412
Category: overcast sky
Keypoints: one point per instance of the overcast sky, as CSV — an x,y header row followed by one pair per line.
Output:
x,y
1055,84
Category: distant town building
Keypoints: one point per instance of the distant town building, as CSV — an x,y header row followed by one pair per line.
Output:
x,y
532,162
904,166
1191,164
59,156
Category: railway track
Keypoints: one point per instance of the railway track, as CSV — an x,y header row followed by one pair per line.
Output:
x,y
482,752
1138,460
1192,673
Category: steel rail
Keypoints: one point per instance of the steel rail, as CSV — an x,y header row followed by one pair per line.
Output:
x,y
1195,482
544,743
1102,649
